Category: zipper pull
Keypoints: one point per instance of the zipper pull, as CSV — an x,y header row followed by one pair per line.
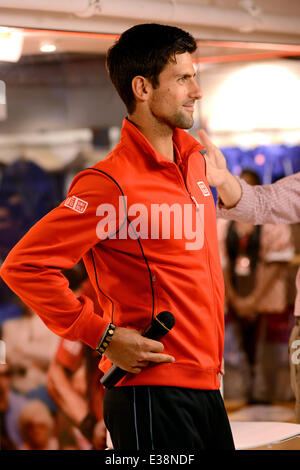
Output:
x,y
194,201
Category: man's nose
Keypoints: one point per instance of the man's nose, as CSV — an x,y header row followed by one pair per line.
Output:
x,y
196,92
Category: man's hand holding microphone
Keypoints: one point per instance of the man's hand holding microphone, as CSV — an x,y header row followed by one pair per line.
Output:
x,y
130,351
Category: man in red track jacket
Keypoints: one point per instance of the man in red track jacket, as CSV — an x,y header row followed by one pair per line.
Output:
x,y
144,222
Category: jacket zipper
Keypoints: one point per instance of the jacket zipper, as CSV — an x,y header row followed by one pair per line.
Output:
x,y
207,256
185,185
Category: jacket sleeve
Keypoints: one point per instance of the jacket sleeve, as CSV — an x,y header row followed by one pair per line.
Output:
x,y
58,241
277,203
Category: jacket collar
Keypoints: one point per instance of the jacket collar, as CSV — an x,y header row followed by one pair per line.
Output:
x,y
132,138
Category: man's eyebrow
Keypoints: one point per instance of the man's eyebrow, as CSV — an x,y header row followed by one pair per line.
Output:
x,y
186,75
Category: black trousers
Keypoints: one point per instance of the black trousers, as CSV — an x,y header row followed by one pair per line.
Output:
x,y
166,418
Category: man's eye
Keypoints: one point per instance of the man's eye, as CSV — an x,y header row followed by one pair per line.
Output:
x,y
182,79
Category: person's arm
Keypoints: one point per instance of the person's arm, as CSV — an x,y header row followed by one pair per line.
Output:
x,y
70,394
246,306
70,401
275,203
33,268
61,390
57,242
41,347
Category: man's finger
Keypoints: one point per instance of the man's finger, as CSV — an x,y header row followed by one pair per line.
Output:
x,y
153,346
160,358
143,364
204,139
135,370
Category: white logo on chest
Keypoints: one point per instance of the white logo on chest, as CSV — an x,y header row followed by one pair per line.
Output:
x,y
204,189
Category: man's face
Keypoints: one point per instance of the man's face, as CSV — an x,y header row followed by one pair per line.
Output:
x,y
172,102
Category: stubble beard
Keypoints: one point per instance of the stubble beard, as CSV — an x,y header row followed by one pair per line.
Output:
x,y
178,119
183,121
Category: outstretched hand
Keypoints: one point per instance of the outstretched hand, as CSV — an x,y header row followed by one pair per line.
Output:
x,y
216,169
217,174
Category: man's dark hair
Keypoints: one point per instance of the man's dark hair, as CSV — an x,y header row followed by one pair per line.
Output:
x,y
144,49
253,174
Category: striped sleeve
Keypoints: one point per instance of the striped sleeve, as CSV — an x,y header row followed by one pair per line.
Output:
x,y
274,203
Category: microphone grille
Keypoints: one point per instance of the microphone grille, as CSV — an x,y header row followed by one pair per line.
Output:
x,y
166,318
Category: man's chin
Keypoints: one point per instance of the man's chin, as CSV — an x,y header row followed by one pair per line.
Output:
x,y
184,120
185,124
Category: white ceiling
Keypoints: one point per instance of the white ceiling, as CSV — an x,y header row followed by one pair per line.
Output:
x,y
243,21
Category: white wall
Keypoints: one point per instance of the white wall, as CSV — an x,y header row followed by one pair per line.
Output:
x,y
253,96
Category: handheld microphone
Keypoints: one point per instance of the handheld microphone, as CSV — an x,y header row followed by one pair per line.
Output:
x,y
158,328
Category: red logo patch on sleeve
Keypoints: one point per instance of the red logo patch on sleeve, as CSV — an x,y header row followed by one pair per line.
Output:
x,y
76,204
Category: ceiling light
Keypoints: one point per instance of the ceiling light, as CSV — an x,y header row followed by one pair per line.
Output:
x,y
11,44
48,48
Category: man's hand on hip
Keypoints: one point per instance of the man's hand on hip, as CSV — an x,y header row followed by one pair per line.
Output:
x,y
130,351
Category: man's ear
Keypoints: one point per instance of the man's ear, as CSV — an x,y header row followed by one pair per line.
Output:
x,y
141,88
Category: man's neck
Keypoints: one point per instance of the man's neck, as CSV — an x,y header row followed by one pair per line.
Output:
x,y
159,136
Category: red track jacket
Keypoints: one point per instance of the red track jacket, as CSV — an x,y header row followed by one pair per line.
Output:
x,y
135,277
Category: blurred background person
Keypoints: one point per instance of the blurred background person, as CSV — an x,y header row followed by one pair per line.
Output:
x,y
11,404
255,261
29,187
30,347
11,230
37,427
74,385
27,193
